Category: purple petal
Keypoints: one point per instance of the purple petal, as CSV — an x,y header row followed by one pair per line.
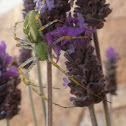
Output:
x,y
7,60
3,45
2,49
65,84
111,53
49,37
50,4
63,31
81,23
65,80
70,31
57,49
59,32
13,71
70,49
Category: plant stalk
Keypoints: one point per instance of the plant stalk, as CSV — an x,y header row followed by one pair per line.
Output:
x,y
110,107
32,105
49,92
92,115
105,105
107,115
8,122
41,90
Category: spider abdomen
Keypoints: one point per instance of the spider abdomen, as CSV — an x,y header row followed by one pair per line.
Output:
x,y
30,27
41,51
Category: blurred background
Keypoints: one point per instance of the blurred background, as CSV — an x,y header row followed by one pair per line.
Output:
x,y
113,34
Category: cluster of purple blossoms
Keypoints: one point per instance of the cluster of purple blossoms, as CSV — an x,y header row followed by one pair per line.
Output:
x,y
10,96
53,9
111,67
94,11
82,64
49,4
28,6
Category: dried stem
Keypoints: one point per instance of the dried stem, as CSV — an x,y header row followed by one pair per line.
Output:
x,y
92,115
41,90
96,42
49,92
32,106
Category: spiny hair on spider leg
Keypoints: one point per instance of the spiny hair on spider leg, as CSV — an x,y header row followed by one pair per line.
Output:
x,y
41,51
30,27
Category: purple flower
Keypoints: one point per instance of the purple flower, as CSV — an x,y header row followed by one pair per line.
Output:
x,y
48,4
10,96
81,23
28,6
65,84
111,54
84,67
111,70
59,32
78,20
93,11
5,71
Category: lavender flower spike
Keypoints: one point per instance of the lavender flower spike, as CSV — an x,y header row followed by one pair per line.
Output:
x,y
5,60
111,54
10,96
111,67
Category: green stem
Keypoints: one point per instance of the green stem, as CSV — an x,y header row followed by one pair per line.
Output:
x,y
92,115
110,107
8,122
49,92
107,115
41,90
105,105
32,106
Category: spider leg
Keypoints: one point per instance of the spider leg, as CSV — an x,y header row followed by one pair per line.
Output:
x,y
24,46
66,37
26,79
18,39
27,82
29,68
71,78
35,90
25,75
25,63
50,23
39,11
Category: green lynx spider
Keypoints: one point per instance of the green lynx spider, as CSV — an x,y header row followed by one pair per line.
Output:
x,y
33,32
